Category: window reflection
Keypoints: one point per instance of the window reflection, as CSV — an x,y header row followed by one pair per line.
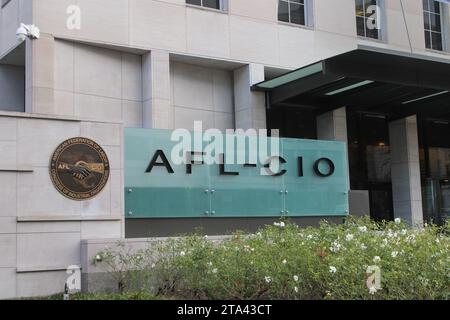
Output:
x,y
370,161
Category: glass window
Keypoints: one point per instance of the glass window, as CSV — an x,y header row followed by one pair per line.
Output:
x,y
432,18
292,11
370,161
366,18
214,4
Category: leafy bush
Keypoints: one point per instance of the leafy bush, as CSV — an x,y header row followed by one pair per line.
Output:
x,y
284,261
130,270
108,297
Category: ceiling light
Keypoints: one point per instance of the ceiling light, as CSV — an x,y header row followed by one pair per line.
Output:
x,y
348,88
425,97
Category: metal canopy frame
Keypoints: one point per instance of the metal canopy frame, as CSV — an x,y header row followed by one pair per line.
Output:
x,y
367,79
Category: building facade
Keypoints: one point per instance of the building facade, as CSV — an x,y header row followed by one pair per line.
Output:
x,y
103,67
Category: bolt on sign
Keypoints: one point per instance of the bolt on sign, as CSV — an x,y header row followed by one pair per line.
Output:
x,y
301,178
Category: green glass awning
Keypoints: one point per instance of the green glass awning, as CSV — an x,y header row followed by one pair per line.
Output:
x,y
368,79
291,76
372,64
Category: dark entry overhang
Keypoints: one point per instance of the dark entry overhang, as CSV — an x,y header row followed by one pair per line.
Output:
x,y
367,79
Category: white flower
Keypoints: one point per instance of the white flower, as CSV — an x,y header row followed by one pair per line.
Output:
x,y
437,240
363,246
296,289
376,259
398,221
309,237
284,261
335,247
392,234
404,232
153,266
280,224
215,271
182,253
372,290
98,257
268,279
333,269
210,264
349,237
296,278
394,254
362,229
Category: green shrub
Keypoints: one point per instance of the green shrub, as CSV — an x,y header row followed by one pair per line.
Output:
x,y
287,262
79,296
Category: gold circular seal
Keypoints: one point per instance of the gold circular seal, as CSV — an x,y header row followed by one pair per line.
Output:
x,y
79,169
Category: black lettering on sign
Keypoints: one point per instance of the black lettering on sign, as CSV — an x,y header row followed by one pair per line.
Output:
x,y
164,162
281,160
330,164
300,166
190,161
223,171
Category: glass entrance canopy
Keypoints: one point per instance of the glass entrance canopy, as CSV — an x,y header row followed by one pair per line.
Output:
x,y
368,79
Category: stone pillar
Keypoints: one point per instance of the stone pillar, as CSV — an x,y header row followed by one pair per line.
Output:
x,y
332,125
158,110
250,106
406,186
39,83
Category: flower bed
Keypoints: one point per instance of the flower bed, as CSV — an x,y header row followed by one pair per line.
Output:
x,y
359,259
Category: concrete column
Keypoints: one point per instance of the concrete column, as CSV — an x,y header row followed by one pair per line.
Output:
x,y
250,106
332,125
39,83
406,186
158,110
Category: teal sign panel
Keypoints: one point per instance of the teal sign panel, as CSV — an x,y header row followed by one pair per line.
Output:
x,y
311,179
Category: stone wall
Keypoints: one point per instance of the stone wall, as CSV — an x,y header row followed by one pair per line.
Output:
x,y
12,85
40,230
202,94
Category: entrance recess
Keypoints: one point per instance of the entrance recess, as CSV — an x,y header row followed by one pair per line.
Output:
x,y
372,83
435,168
